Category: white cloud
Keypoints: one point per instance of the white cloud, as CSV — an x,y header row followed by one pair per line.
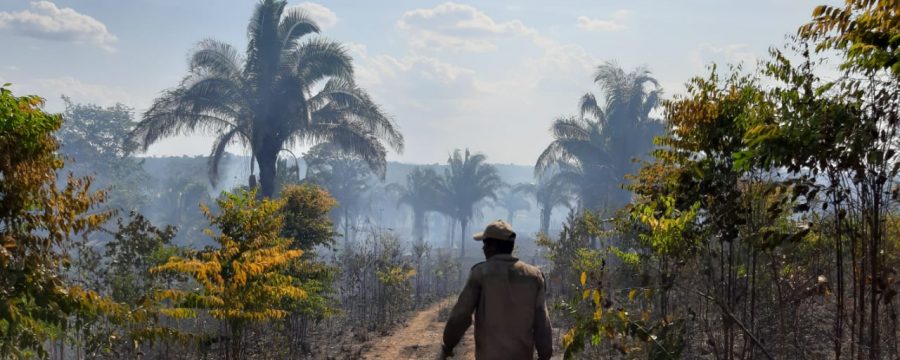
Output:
x,y
615,23
450,100
321,14
729,53
447,105
411,80
52,89
47,21
459,27
427,96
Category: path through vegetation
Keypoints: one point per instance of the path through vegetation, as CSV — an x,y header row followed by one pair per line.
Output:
x,y
421,338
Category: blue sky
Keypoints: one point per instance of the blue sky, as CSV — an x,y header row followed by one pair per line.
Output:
x,y
490,76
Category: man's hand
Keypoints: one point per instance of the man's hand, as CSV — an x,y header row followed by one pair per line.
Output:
x,y
445,353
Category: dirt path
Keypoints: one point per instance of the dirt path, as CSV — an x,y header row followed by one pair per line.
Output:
x,y
421,338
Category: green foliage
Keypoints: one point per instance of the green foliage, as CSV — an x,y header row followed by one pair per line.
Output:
x,y
749,177
446,269
316,278
865,31
846,132
95,139
693,201
137,247
599,314
132,322
345,176
306,223
395,280
629,258
243,280
305,211
287,172
91,130
667,227
376,278
37,220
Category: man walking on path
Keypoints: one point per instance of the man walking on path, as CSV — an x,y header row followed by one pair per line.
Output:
x,y
507,297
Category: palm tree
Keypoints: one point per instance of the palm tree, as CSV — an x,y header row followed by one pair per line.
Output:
x,y
550,192
467,181
600,144
346,178
421,193
266,99
512,201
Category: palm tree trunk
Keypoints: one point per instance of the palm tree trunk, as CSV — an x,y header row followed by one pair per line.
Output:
x,y
418,227
451,225
267,159
462,238
545,221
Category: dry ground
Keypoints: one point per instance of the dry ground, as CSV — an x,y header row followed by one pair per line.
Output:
x,y
421,338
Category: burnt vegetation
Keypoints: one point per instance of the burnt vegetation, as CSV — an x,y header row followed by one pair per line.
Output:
x,y
753,216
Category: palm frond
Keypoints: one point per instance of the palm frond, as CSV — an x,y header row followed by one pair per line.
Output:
x,y
588,106
557,190
216,57
352,140
219,146
199,107
650,103
611,78
318,59
209,94
267,92
467,181
643,77
422,189
264,44
266,17
157,126
524,188
555,153
295,24
571,128
343,100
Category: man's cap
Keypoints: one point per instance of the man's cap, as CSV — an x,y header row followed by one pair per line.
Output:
x,y
497,230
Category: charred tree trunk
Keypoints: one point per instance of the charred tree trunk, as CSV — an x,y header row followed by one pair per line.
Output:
x,y
545,221
418,226
839,271
267,158
462,238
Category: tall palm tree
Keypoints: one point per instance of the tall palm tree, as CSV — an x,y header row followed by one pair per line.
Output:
x,y
421,193
267,98
550,192
467,181
600,144
512,200
346,178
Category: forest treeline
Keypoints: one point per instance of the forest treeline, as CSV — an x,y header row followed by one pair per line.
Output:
x,y
765,223
752,216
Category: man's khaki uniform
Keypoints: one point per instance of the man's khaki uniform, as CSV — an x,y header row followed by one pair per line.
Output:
x,y
507,297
